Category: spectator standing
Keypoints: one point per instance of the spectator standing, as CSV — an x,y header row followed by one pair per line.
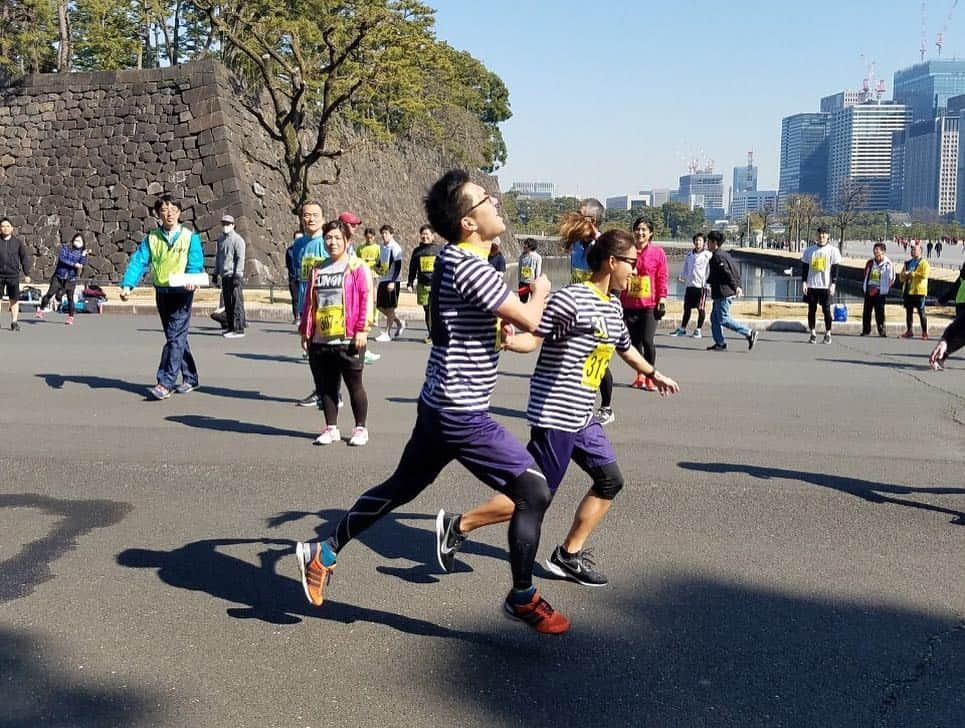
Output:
x,y
292,255
169,250
369,251
879,276
70,263
644,298
929,248
229,267
14,258
694,277
819,276
496,258
914,279
724,280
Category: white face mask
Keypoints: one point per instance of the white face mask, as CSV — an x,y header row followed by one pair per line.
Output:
x,y
227,228
79,244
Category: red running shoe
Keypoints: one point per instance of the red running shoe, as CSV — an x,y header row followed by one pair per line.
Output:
x,y
538,614
649,385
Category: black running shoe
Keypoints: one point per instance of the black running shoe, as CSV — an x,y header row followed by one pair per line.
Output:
x,y
751,339
448,540
309,401
578,568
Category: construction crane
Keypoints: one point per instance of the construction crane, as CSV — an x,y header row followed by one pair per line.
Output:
x,y
924,30
940,38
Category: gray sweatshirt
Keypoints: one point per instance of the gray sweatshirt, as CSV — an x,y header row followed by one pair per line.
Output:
x,y
230,260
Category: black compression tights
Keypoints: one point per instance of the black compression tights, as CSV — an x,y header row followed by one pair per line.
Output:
x,y
528,491
606,388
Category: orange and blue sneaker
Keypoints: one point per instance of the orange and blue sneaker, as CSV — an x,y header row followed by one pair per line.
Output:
x,y
316,562
535,611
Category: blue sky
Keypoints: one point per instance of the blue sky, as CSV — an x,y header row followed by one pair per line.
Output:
x,y
613,97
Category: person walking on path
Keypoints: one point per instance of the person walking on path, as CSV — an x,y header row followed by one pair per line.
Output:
x,y
421,265
529,267
311,252
914,279
694,277
14,259
644,297
229,267
580,330
819,277
953,339
453,420
879,276
334,328
387,297
70,263
169,250
724,280
369,250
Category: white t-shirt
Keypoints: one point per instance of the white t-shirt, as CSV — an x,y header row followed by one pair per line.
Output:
x,y
819,259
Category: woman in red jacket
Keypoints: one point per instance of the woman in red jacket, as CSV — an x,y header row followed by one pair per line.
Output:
x,y
645,296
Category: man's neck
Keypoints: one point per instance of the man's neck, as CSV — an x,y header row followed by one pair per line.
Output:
x,y
478,246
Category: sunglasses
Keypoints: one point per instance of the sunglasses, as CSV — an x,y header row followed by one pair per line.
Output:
x,y
487,198
625,259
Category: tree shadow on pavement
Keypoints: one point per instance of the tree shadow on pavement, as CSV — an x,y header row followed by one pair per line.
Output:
x,y
35,690
265,594
29,567
921,366
220,424
676,650
871,491
57,381
254,356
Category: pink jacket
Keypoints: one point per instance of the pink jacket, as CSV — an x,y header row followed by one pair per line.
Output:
x,y
649,283
356,297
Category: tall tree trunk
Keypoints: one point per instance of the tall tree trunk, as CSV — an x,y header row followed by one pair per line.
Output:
x,y
63,50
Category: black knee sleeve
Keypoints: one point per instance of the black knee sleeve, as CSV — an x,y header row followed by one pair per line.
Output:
x,y
607,481
530,491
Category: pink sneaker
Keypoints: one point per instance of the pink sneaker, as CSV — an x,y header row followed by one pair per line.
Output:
x,y
69,321
40,313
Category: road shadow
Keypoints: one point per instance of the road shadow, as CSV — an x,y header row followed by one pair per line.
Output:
x,y
871,491
31,566
262,592
922,366
57,381
219,424
676,650
252,356
204,331
36,691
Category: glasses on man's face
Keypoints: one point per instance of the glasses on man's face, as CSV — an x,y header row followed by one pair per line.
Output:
x,y
629,261
487,198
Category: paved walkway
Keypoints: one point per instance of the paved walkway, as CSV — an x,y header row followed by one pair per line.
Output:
x,y
787,551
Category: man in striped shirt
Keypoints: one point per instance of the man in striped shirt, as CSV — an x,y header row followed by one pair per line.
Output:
x,y
453,421
582,327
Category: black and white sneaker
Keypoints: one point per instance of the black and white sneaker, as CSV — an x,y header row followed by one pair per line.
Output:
x,y
309,401
578,568
751,339
448,539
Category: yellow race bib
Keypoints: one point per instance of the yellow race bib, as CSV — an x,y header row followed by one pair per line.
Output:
x,y
639,287
427,263
819,264
330,322
526,273
595,365
874,276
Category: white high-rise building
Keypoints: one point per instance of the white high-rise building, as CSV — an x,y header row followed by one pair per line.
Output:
x,y
860,150
745,203
930,178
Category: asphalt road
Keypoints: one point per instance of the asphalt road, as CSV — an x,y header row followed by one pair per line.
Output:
x,y
788,550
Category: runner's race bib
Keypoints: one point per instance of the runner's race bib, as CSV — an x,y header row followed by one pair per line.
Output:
x,y
596,363
875,276
427,263
819,264
330,321
526,273
639,287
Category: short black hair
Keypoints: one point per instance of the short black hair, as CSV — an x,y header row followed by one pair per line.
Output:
x,y
369,231
697,235
530,244
879,246
823,229
446,205
6,219
425,228
716,236
387,229
166,199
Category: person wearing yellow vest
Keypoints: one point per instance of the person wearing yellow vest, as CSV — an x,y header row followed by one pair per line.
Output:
x,y
914,277
169,250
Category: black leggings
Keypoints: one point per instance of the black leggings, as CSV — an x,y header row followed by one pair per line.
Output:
x,y
606,388
422,460
911,304
56,288
330,366
822,297
693,298
642,327
428,313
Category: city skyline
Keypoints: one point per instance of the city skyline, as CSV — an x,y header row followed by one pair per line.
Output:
x,y
663,85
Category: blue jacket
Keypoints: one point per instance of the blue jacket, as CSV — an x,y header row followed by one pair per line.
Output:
x,y
141,258
66,260
310,252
